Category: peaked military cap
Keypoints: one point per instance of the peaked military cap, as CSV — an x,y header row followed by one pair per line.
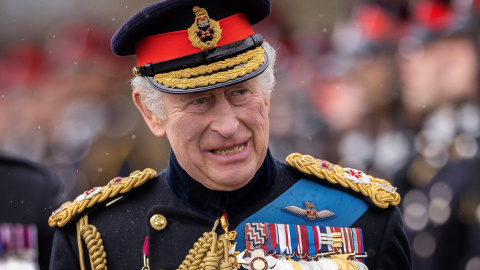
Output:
x,y
185,46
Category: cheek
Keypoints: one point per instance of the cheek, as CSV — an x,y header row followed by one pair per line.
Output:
x,y
257,116
184,129
265,109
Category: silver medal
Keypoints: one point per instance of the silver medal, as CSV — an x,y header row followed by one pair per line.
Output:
x,y
360,265
314,265
305,265
283,265
327,264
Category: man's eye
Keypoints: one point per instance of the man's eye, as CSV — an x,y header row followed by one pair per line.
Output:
x,y
239,92
199,101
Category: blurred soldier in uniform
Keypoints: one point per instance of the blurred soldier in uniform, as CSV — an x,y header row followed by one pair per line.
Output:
x,y
439,73
359,102
224,201
29,193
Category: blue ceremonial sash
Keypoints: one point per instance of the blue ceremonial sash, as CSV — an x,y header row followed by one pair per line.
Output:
x,y
346,207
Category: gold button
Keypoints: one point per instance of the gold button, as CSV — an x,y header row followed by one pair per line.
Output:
x,y
158,222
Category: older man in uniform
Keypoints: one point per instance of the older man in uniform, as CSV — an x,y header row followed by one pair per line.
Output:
x,y
204,81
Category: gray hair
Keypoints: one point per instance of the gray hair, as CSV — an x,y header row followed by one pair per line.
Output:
x,y
150,97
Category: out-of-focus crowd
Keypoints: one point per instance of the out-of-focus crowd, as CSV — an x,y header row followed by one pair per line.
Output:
x,y
394,92
392,89
67,103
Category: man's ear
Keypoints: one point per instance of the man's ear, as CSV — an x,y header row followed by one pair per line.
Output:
x,y
154,122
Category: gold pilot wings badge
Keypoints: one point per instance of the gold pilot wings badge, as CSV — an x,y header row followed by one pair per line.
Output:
x,y
309,212
380,192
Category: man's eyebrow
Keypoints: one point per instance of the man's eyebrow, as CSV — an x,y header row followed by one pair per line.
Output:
x,y
189,96
246,84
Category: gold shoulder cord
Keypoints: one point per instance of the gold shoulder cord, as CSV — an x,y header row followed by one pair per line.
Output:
x,y
88,232
381,192
207,252
69,209
94,244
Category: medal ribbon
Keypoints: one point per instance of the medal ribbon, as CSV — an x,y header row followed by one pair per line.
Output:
x,y
19,237
282,238
357,238
256,234
292,244
330,238
324,246
272,241
4,237
302,244
347,246
319,246
337,230
312,241
33,237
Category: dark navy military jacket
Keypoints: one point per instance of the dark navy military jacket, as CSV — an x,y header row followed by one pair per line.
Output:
x,y
191,209
29,192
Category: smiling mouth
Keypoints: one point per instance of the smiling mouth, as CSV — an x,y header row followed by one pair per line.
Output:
x,y
229,151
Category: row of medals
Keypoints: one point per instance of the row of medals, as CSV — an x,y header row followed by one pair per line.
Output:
x,y
325,261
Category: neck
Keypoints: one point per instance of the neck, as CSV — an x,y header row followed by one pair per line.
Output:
x,y
214,202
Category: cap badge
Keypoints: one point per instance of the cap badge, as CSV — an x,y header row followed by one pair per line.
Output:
x,y
204,32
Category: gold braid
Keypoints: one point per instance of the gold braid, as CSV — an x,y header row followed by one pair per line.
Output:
x,y
70,209
242,64
226,264
94,244
207,253
378,190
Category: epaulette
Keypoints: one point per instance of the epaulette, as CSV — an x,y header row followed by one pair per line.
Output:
x,y
118,185
380,192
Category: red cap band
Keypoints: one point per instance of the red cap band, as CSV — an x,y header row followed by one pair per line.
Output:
x,y
167,46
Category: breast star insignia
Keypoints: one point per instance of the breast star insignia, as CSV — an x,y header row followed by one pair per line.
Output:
x,y
236,257
309,213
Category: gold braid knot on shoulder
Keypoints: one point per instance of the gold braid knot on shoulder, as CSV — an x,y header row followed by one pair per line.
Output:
x,y
118,185
381,192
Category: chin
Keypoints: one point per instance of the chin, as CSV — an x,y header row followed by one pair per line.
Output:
x,y
231,184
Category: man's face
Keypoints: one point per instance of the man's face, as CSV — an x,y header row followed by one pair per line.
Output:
x,y
418,77
220,137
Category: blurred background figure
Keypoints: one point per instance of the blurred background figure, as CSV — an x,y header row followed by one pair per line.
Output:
x,y
69,106
29,192
438,64
357,91
65,100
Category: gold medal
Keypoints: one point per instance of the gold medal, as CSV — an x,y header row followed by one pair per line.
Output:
x,y
340,263
296,265
258,263
344,264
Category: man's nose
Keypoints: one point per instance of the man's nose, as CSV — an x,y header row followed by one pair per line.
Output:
x,y
225,121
